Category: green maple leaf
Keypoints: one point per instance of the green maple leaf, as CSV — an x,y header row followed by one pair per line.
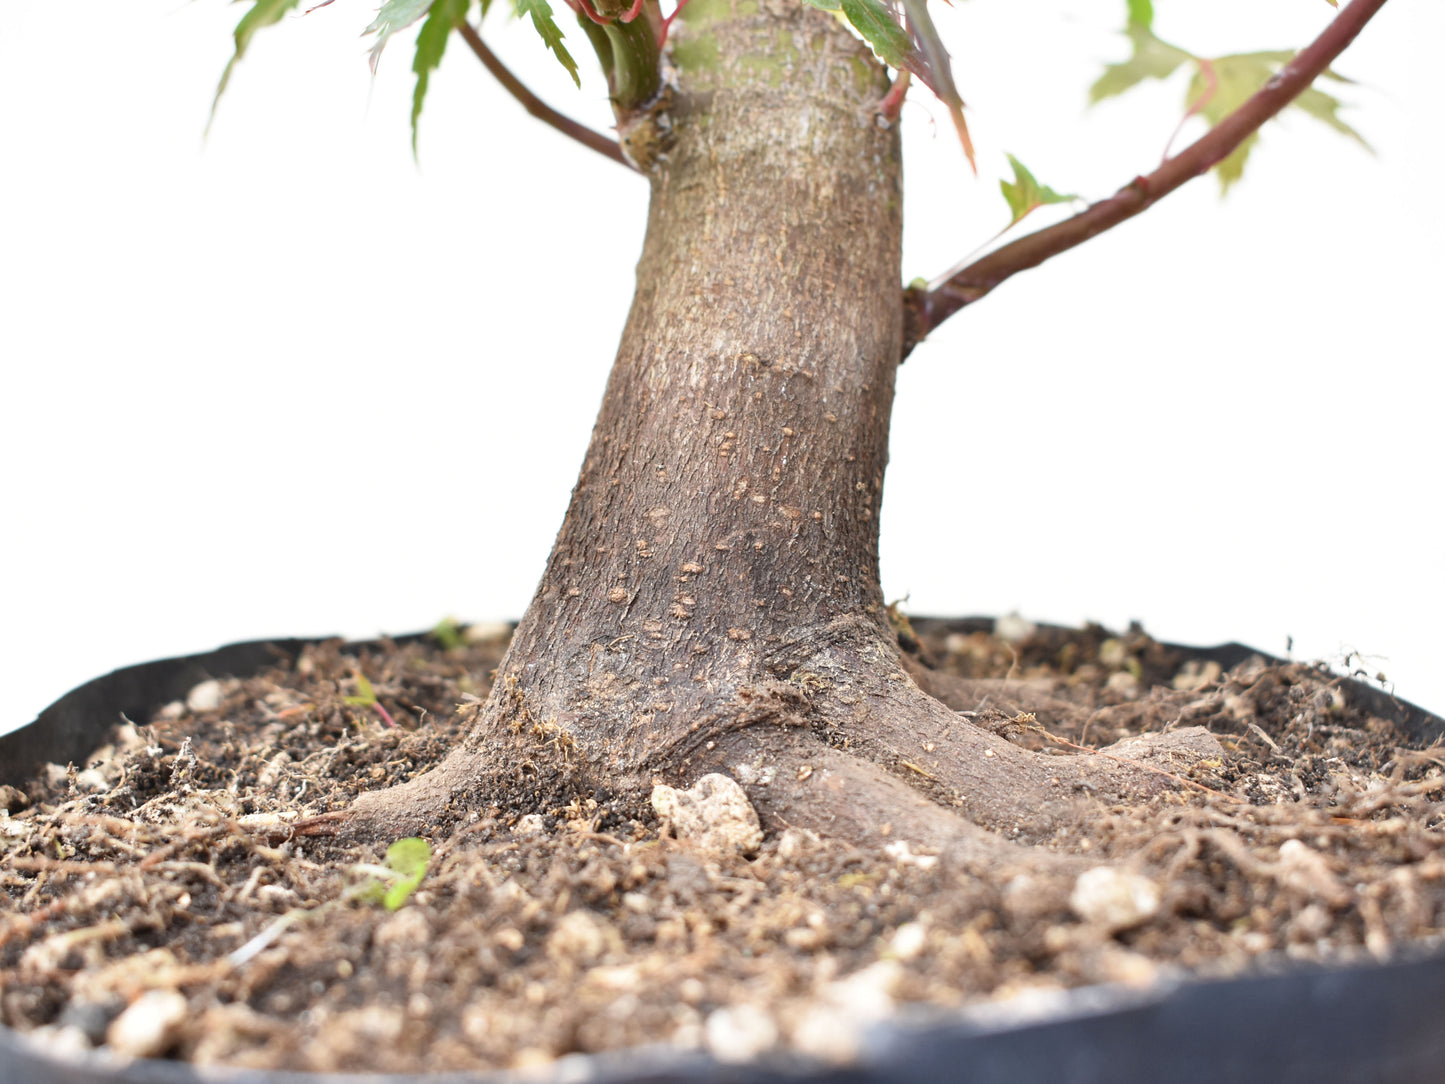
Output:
x,y
880,30
431,42
1218,86
1151,59
263,13
1222,85
1025,194
541,13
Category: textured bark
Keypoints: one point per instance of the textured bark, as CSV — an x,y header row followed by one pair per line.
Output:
x,y
730,492
712,600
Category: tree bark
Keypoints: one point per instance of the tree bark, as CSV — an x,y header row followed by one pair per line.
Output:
x,y
712,600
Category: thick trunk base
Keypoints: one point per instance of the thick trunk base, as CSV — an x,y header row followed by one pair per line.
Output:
x,y
712,601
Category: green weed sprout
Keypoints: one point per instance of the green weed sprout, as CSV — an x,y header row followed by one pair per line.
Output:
x,y
367,699
392,884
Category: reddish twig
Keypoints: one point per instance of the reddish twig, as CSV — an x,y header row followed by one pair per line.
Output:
x,y
532,104
667,23
892,103
592,13
924,310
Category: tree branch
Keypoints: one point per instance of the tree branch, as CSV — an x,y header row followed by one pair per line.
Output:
x,y
535,106
925,309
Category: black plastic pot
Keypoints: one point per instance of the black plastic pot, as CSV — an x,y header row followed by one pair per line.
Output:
x,y
1358,1024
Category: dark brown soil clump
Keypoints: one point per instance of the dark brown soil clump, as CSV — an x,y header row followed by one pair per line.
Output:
x,y
160,897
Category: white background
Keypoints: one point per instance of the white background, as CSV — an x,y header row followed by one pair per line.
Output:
x,y
288,382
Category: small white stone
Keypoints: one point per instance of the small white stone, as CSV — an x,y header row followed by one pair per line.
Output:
x,y
740,1033
1196,674
1123,682
754,775
91,781
578,935
483,632
407,929
621,978
908,940
902,853
149,1026
1013,628
60,1041
639,903
205,697
1114,899
1308,873
529,825
834,1025
714,812
795,842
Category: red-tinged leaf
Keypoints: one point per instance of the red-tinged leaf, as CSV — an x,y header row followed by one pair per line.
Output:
x,y
262,13
1225,83
1026,195
937,71
394,15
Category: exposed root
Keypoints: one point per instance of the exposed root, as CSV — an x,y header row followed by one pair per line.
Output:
x,y
842,741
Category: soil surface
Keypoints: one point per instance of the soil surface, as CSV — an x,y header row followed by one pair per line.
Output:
x,y
166,899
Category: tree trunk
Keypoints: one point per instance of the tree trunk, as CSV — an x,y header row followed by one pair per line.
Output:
x,y
712,601
728,502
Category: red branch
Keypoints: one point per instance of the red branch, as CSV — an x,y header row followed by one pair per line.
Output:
x,y
534,105
924,310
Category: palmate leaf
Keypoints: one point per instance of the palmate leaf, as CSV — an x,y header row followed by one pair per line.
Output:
x,y
394,15
1025,194
1152,59
1324,107
1218,86
541,13
431,42
1222,85
262,13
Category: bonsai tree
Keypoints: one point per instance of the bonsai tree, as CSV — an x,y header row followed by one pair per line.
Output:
x,y
712,601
